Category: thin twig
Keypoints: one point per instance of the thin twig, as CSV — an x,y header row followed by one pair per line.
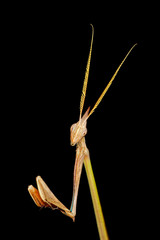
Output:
x,y
96,201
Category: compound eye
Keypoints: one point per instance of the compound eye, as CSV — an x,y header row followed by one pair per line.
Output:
x,y
85,132
72,127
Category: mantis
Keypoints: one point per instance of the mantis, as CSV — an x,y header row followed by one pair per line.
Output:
x,y
43,197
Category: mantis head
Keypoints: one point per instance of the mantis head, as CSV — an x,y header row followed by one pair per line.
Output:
x,y
79,130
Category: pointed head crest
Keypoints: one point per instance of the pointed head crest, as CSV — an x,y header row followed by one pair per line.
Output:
x,y
79,130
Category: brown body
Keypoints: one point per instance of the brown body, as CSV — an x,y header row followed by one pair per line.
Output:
x,y
81,153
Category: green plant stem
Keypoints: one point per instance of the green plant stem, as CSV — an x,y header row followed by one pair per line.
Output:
x,y
96,201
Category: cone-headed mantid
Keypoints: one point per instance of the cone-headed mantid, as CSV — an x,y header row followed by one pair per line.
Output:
x,y
43,197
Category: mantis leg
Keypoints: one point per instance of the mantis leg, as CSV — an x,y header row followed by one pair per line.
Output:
x,y
44,197
34,193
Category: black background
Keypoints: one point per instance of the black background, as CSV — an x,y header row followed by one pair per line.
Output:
x,y
46,50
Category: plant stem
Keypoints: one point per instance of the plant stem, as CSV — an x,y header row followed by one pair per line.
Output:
x,y
95,199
